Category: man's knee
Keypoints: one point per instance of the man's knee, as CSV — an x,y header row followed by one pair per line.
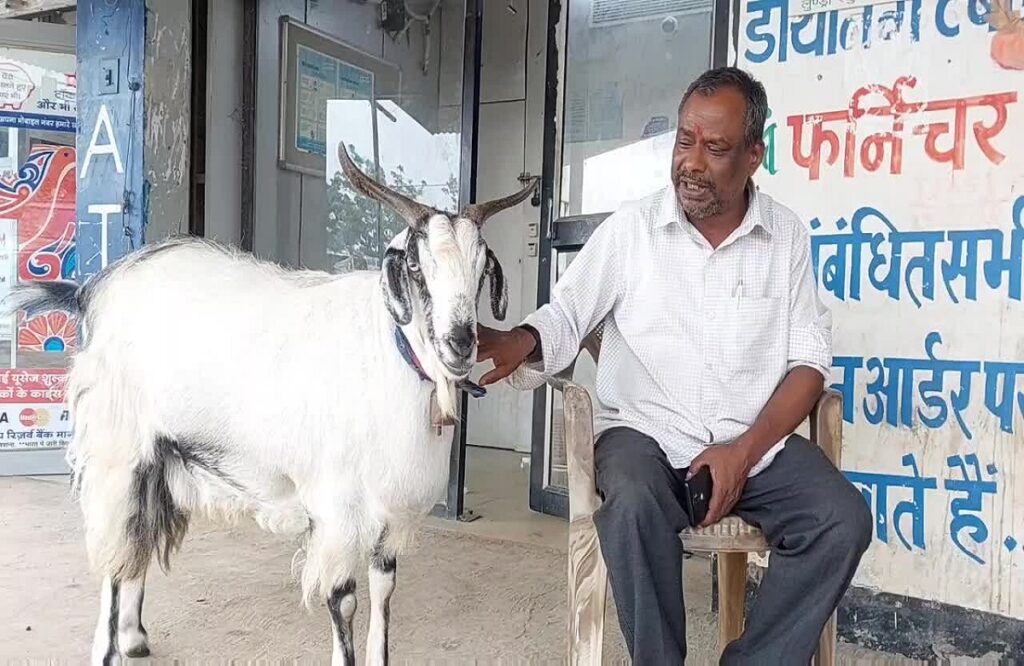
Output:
x,y
852,526
633,500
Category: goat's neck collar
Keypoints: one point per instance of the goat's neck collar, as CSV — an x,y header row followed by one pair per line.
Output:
x,y
406,350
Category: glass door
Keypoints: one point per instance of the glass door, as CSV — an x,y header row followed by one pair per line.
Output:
x,y
626,64
400,93
38,116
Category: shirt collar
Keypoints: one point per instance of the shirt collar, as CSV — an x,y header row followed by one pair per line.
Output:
x,y
672,213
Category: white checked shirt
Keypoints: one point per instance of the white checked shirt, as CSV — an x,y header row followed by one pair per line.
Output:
x,y
696,338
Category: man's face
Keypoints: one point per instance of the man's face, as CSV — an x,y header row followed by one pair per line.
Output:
x,y
711,163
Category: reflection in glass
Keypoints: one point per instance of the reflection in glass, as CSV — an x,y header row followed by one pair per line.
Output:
x,y
398,151
628,64
37,243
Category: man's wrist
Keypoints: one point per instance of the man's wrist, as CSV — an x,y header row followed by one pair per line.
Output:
x,y
747,445
535,352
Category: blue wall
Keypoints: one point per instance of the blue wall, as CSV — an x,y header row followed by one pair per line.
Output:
x,y
111,35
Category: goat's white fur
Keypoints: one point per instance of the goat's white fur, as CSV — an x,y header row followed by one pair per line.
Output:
x,y
290,379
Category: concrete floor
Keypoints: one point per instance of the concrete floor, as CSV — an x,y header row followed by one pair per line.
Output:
x,y
488,591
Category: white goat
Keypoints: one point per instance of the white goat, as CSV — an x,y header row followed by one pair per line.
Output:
x,y
214,383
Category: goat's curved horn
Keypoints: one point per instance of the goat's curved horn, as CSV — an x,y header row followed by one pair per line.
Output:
x,y
414,213
481,211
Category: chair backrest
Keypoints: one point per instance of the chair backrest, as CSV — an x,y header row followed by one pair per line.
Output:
x,y
592,343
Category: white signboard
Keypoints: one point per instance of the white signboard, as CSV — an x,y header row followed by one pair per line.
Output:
x,y
801,7
897,138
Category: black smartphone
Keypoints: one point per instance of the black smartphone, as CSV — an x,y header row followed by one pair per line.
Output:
x,y
697,492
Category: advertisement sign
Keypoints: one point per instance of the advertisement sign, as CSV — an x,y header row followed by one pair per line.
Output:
x,y
38,90
895,134
32,410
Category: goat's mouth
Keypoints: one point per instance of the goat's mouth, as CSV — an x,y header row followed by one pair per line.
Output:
x,y
457,371
457,367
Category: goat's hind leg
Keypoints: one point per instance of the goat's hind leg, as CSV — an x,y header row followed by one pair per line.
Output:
x,y
130,515
104,642
119,631
132,639
382,585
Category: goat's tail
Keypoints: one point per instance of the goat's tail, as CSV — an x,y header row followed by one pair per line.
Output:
x,y
37,296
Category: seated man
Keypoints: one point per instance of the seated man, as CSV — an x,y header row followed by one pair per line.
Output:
x,y
716,347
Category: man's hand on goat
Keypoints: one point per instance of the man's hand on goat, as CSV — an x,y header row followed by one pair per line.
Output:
x,y
729,465
508,350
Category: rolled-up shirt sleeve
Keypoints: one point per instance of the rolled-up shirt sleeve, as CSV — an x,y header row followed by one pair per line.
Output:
x,y
580,300
810,321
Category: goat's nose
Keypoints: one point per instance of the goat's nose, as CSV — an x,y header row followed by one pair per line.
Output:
x,y
461,340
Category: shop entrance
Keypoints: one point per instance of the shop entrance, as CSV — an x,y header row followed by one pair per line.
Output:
x,y
608,140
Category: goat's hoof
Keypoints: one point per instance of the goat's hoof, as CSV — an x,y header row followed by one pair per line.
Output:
x,y
137,652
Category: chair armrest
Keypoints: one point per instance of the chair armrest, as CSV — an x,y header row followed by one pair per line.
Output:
x,y
827,425
578,415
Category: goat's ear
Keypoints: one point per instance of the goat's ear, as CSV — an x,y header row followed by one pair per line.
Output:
x,y
395,284
499,289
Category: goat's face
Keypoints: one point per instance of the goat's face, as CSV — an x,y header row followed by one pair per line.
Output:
x,y
434,271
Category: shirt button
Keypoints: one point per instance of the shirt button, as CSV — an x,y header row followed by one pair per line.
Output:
x,y
711,315
707,366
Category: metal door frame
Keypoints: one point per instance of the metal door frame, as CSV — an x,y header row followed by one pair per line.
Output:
x,y
566,234
453,506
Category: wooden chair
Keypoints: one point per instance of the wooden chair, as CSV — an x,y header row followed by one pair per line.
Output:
x,y
730,540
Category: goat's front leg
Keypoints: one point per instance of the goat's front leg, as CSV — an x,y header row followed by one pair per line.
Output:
x,y
382,584
342,607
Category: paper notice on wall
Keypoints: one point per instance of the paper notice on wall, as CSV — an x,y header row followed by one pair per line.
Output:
x,y
33,414
322,78
38,90
594,114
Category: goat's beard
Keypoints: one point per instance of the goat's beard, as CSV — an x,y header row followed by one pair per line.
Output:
x,y
447,398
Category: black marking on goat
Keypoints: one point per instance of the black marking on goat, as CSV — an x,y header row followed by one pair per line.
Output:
x,y
112,622
341,626
395,284
39,296
380,559
156,524
499,289
384,562
209,458
417,280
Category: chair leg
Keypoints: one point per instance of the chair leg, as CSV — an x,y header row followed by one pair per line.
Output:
x,y
732,592
826,654
588,591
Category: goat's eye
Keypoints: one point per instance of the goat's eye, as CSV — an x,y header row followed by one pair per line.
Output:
x,y
414,266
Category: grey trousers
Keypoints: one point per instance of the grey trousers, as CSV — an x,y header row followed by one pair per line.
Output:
x,y
815,521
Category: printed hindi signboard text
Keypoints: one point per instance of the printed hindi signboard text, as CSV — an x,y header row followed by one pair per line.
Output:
x,y
897,138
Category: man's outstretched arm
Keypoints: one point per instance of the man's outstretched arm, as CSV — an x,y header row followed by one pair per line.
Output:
x,y
583,296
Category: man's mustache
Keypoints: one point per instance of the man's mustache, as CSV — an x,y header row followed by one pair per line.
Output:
x,y
689,177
